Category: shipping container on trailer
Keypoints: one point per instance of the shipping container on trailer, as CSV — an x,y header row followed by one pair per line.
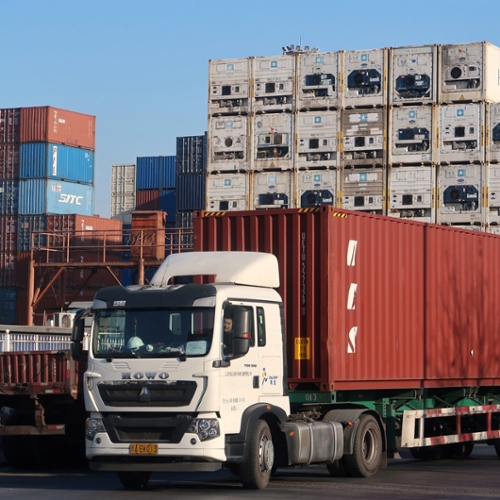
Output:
x,y
9,197
469,72
273,190
228,191
411,192
54,161
273,141
492,145
316,139
317,81
10,132
413,75
316,187
10,155
191,154
59,126
374,302
191,191
362,189
364,77
273,83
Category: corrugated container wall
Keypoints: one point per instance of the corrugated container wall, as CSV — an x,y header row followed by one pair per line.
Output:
x,y
191,192
9,125
167,172
373,301
8,306
9,197
168,201
8,233
147,172
60,126
9,161
191,155
147,199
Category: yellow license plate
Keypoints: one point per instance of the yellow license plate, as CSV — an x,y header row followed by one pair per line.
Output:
x,y
143,449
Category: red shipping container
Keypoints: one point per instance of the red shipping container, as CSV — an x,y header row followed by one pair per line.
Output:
x,y
8,269
148,234
374,302
147,199
9,161
8,233
58,126
9,125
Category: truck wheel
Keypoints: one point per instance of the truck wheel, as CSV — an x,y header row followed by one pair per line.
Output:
x,y
338,468
462,450
496,443
365,460
255,471
134,480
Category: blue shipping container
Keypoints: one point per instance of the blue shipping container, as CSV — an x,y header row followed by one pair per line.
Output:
x,y
191,192
8,299
54,161
41,196
26,225
168,203
9,197
168,172
148,172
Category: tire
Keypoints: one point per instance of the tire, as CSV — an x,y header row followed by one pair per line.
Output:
x,y
496,443
255,471
462,450
338,468
365,460
134,480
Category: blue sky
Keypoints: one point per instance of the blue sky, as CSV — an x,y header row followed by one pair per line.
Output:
x,y
141,67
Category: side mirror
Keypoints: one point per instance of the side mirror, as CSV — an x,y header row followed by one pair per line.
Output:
x,y
243,324
78,333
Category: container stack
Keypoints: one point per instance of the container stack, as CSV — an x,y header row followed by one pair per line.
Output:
x,y
123,192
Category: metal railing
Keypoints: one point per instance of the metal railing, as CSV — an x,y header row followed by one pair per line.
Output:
x,y
24,342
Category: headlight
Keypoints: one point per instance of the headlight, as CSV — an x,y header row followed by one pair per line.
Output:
x,y
205,428
93,426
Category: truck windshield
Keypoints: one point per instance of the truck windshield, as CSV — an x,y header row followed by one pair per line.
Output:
x,y
152,333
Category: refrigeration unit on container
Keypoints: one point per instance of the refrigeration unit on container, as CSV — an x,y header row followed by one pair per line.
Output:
x,y
318,85
362,189
60,126
228,144
55,161
273,141
191,191
147,172
229,191
167,171
411,134
273,190
469,72
273,79
459,194
461,133
10,126
492,145
9,161
191,154
363,135
410,193
413,75
41,196
316,187
317,134
9,197
8,233
229,86
492,190
364,73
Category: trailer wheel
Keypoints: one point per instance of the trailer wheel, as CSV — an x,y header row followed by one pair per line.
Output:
x,y
338,468
255,471
365,460
462,450
134,480
496,443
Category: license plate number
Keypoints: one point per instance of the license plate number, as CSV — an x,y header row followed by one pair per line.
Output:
x,y
143,449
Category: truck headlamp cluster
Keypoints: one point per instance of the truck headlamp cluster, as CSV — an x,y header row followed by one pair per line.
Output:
x,y
93,426
205,428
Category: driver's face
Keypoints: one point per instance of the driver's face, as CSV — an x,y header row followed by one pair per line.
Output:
x,y
228,324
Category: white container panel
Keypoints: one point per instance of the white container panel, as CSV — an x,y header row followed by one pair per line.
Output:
x,y
459,192
411,132
317,134
362,189
461,133
493,132
363,137
273,190
410,193
365,82
123,179
413,73
316,188
227,192
469,72
229,86
273,141
228,144
273,83
492,185
318,81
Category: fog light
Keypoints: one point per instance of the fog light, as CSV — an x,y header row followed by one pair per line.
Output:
x,y
93,426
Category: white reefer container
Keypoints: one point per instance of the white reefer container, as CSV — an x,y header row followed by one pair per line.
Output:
x,y
410,193
228,144
492,132
469,72
459,194
362,189
317,134
273,83
413,75
316,187
273,141
364,77
492,196
123,188
461,133
227,192
318,81
229,86
363,135
411,134
273,190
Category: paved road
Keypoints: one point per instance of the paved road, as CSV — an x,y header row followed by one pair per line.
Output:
x,y
405,479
